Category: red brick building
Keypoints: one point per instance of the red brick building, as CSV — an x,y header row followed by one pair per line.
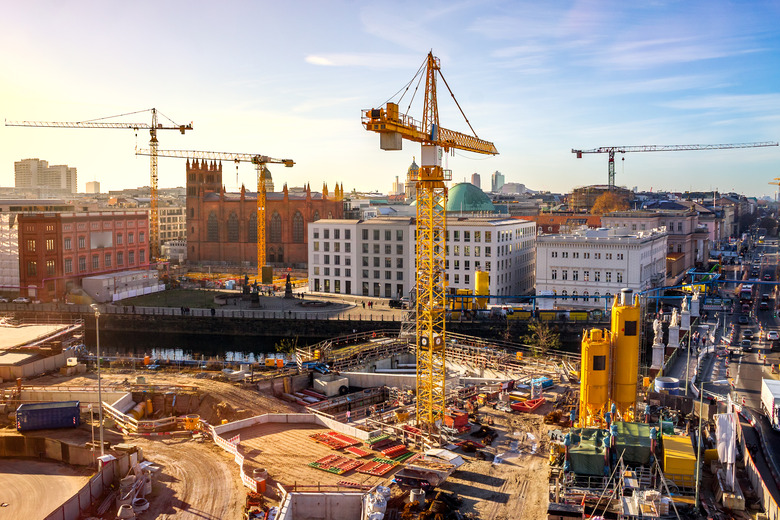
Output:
x,y
221,227
57,250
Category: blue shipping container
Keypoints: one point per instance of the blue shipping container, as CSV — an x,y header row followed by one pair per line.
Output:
x,y
43,416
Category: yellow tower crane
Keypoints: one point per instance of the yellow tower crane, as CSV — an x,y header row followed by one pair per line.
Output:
x,y
776,182
393,127
154,217
263,271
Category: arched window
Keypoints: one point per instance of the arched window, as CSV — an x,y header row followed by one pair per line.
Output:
x,y
212,228
232,227
192,212
297,228
251,231
275,234
564,292
574,294
280,255
271,255
315,216
586,296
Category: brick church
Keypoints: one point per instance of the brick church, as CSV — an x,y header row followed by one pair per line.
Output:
x,y
221,227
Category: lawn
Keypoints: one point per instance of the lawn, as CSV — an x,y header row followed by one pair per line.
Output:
x,y
177,298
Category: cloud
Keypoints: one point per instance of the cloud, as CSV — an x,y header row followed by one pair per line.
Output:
x,y
761,103
371,60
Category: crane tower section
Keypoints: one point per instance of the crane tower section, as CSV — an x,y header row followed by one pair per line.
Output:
x,y
430,180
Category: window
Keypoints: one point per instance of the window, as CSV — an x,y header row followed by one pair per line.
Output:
x,y
297,228
376,236
142,236
212,228
107,260
376,249
317,246
553,274
326,233
466,265
388,249
364,248
326,260
32,267
599,362
399,275
586,275
326,246
336,247
364,273
585,255
457,278
399,234
68,245
83,264
585,296
597,276
131,257
388,262
399,263
608,276
232,227
82,242
487,249
575,275
554,254
49,244
476,250
131,238
365,234
347,272
467,237
488,236
466,279
456,236
619,277
95,262
336,234
564,274
347,247
365,261
679,226
376,275
142,256
376,261
679,248
347,234
68,265
608,256
275,233
316,271
31,246
565,254
487,266
477,236
574,294
457,264
620,256
327,271
120,258
388,275
597,256
456,250
466,250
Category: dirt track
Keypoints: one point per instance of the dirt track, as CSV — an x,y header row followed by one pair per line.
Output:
x,y
23,480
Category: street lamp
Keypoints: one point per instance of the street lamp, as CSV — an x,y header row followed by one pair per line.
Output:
x,y
100,386
698,438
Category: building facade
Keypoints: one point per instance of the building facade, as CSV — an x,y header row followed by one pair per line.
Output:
x,y
173,223
58,250
93,187
222,227
496,181
376,258
476,181
35,173
688,241
597,262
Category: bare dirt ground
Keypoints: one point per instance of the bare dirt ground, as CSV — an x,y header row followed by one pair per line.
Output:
x,y
285,450
33,488
515,488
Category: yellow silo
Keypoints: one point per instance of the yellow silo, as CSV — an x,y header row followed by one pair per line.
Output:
x,y
625,353
482,288
594,381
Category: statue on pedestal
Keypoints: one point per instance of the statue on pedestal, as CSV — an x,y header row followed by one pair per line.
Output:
x,y
659,332
684,305
675,319
288,288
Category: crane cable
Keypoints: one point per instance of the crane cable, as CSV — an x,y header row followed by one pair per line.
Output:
x,y
458,104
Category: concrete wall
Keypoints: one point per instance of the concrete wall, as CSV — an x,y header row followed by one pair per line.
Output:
x,y
322,506
291,418
11,372
367,380
85,395
36,447
276,386
91,492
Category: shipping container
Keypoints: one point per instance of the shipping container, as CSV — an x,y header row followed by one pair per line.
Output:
x,y
43,416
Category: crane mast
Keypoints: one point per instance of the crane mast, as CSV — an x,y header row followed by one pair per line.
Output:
x,y
430,232
259,161
154,217
611,150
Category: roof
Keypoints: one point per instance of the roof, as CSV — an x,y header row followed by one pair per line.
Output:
x,y
467,198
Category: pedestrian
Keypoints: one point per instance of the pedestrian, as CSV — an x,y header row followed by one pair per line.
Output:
x,y
364,305
213,312
349,416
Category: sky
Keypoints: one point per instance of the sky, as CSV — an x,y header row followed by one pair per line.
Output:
x,y
289,80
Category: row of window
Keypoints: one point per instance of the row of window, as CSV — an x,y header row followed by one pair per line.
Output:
x,y
585,295
478,250
337,247
274,228
337,234
596,256
32,265
575,275
336,259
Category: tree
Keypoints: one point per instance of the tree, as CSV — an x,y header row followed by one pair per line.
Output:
x,y
542,337
609,201
287,346
769,224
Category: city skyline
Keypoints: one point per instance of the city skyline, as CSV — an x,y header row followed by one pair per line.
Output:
x,y
537,80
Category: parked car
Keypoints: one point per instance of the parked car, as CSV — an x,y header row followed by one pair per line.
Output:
x,y
3,299
21,299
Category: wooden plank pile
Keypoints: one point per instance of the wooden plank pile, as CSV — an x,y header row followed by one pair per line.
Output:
x,y
336,464
334,440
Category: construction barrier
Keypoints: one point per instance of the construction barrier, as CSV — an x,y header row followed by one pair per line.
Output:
x,y
229,447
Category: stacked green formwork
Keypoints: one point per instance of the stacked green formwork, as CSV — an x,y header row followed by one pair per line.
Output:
x,y
634,438
587,456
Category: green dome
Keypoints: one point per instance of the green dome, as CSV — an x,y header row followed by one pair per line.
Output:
x,y
467,198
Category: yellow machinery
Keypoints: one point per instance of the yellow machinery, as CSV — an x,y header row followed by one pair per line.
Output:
x,y
429,180
482,281
625,353
594,384
154,216
259,161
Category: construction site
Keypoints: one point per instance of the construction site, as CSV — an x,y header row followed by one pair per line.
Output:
x,y
416,423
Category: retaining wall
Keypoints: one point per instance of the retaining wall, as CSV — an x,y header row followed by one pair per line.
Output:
x,y
765,496
48,364
370,379
91,492
322,506
36,447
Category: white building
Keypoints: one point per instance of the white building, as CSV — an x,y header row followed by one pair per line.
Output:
x,y
93,187
376,257
172,223
602,261
35,173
